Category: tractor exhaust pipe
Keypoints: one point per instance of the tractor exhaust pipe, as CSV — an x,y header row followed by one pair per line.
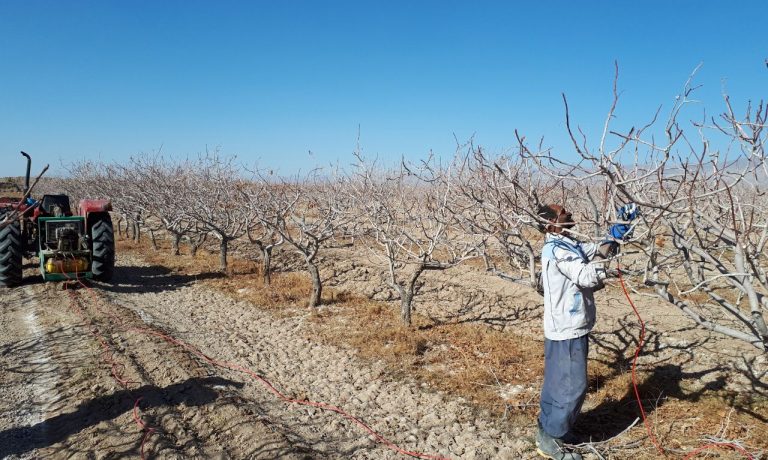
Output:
x,y
29,168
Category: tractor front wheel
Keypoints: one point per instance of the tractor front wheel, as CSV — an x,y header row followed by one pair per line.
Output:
x,y
10,255
103,239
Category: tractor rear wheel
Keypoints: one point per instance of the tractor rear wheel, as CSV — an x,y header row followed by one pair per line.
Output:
x,y
103,238
10,255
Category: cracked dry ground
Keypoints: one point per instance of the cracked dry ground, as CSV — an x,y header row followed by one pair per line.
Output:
x,y
60,351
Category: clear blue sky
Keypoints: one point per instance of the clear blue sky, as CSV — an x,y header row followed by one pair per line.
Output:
x,y
271,80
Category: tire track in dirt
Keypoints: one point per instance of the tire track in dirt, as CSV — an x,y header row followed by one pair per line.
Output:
x,y
59,399
29,374
199,411
193,410
52,369
43,391
410,415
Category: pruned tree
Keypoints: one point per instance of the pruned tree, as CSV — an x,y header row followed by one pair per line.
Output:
x,y
156,185
409,222
309,212
705,212
266,213
499,193
212,198
197,237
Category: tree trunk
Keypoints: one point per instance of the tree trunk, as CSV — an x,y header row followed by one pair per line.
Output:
x,y
152,237
194,244
406,301
223,246
175,244
407,293
266,265
136,231
120,226
317,287
488,262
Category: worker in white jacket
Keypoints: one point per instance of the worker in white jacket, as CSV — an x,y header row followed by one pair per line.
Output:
x,y
571,272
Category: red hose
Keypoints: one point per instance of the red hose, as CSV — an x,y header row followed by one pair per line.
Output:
x,y
280,395
115,367
108,356
140,422
646,422
236,367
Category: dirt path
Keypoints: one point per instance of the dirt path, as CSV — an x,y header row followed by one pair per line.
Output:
x,y
29,376
59,353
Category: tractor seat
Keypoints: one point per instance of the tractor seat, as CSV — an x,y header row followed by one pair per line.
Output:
x,y
56,205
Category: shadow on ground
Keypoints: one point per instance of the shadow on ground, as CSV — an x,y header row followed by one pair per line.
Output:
x,y
482,311
155,278
192,392
612,417
659,382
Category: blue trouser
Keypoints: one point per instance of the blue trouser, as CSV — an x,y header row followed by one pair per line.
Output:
x,y
565,384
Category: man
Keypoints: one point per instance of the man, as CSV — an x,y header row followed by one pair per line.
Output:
x,y
570,273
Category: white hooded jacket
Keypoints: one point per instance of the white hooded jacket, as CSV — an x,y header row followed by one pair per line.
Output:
x,y
568,280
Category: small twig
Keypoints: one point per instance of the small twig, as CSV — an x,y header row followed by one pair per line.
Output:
x,y
586,445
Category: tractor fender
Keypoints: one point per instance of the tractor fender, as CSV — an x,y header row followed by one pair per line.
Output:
x,y
88,206
92,209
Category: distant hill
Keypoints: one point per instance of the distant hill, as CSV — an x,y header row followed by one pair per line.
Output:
x,y
11,187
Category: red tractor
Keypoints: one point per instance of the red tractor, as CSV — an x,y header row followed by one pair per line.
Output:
x,y
68,246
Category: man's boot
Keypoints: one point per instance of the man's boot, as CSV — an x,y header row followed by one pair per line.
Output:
x,y
552,448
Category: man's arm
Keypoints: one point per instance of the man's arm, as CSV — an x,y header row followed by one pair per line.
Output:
x,y
582,274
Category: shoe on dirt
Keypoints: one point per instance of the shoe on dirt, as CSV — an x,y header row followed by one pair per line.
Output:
x,y
552,448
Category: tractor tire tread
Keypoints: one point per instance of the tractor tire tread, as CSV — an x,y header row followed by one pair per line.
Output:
x,y
10,256
103,238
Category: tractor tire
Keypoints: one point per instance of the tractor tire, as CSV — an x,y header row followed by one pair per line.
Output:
x,y
10,255
103,239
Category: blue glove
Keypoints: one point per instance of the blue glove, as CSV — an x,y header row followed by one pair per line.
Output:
x,y
628,212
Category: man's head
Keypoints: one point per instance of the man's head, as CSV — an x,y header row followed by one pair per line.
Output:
x,y
557,218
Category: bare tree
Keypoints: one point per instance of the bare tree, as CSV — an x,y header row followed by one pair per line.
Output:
x,y
499,193
156,188
409,222
705,215
309,212
212,197
266,216
196,238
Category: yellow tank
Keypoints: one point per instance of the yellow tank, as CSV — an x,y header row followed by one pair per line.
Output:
x,y
69,265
